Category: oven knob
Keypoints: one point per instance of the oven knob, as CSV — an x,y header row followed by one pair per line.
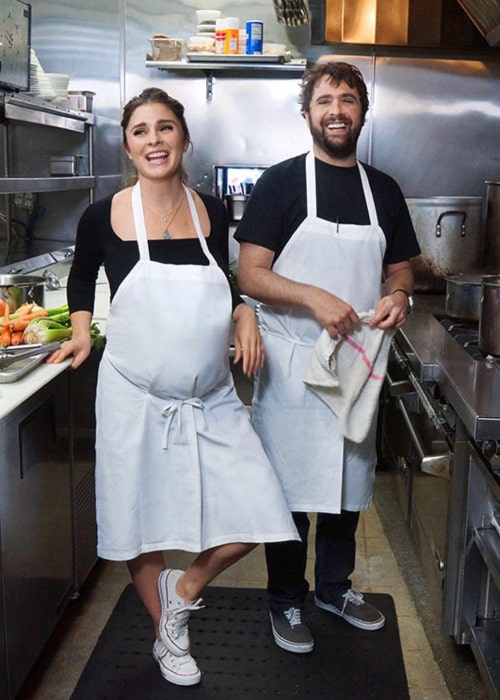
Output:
x,y
490,448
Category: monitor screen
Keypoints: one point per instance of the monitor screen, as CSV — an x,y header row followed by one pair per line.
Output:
x,y
236,179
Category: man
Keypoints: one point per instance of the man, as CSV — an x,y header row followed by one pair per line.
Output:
x,y
319,234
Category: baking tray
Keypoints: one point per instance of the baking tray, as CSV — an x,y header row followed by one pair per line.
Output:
x,y
18,369
201,57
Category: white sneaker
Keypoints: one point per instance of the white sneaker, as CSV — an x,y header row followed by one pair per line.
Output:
x,y
175,611
180,670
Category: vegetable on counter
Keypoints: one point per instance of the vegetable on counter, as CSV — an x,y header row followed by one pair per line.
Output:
x,y
32,324
45,330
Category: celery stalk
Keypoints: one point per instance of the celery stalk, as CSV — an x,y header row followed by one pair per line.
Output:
x,y
45,330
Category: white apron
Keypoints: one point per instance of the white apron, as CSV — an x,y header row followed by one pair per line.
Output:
x,y
178,465
319,470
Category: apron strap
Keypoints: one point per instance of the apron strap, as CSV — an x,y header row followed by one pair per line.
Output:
x,y
311,184
197,226
178,406
140,227
367,191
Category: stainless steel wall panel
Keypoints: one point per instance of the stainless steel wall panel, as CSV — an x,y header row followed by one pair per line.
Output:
x,y
435,124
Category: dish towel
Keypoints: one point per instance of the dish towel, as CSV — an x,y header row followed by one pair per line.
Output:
x,y
347,373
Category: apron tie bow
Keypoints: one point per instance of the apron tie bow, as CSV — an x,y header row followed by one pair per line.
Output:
x,y
169,411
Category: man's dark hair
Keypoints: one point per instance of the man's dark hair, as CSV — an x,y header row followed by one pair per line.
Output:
x,y
336,72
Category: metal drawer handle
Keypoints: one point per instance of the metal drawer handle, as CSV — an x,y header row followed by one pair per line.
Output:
x,y
435,464
398,387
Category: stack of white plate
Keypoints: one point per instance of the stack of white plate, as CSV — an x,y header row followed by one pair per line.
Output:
x,y
206,22
40,85
59,82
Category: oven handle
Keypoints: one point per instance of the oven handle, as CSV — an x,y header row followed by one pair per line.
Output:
x,y
435,464
413,382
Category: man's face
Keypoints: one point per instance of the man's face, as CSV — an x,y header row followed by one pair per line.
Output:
x,y
335,121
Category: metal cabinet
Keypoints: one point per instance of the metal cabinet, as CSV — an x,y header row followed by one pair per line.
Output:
x,y
36,526
83,384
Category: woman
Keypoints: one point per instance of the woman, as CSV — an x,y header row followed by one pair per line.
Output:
x,y
178,465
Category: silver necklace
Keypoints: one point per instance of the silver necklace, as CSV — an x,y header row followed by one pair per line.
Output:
x,y
164,217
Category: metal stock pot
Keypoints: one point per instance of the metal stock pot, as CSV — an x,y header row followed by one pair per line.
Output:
x,y
489,322
17,289
450,232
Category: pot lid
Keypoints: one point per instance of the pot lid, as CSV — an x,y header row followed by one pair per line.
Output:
x,y
465,278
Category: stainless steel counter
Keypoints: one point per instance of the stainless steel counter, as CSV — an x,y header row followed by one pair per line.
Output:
x,y
472,387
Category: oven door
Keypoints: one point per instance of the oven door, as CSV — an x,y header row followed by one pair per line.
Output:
x,y
417,436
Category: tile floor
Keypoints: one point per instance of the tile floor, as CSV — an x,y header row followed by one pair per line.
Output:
x,y
377,570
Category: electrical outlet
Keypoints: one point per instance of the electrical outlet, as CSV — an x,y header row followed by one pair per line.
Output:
x,y
24,200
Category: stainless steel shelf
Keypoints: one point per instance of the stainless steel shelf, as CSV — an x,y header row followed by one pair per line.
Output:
x,y
33,110
11,185
295,66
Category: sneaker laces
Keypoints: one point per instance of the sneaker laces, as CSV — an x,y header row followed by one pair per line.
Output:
x,y
177,618
294,616
175,662
352,596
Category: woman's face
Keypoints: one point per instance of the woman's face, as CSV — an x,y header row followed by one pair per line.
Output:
x,y
155,141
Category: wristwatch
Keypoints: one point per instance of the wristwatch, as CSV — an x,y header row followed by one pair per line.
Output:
x,y
408,296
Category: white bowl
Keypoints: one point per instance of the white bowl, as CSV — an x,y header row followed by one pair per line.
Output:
x,y
207,15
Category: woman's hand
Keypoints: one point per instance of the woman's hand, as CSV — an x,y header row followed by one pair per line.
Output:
x,y
248,345
80,343
79,348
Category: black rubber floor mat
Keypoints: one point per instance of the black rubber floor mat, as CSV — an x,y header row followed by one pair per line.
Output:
x,y
232,642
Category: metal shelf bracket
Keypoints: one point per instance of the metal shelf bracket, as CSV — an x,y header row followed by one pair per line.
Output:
x,y
209,75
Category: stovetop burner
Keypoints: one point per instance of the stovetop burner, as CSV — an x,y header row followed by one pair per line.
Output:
x,y
466,333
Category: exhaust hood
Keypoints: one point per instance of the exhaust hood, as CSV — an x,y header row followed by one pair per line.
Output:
x,y
486,16
412,22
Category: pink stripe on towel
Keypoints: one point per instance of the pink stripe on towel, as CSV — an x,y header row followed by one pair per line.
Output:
x,y
365,359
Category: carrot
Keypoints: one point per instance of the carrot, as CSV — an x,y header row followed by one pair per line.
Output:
x,y
6,310
20,323
25,308
5,337
16,337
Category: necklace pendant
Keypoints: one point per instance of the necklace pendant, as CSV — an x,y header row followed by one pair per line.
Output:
x,y
165,234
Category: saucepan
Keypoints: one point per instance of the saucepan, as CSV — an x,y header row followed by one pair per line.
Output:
x,y
463,296
17,289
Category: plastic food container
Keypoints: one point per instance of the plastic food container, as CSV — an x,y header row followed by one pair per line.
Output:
x,y
201,43
166,49
64,165
80,99
207,15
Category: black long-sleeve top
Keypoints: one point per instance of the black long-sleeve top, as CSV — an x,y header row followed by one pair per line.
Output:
x,y
97,245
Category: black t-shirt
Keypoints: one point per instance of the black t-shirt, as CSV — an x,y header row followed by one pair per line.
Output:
x,y
278,206
97,244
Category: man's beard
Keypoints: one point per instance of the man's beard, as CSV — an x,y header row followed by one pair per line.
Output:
x,y
338,150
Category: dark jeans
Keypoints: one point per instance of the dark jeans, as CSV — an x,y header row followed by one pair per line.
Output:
x,y
335,557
